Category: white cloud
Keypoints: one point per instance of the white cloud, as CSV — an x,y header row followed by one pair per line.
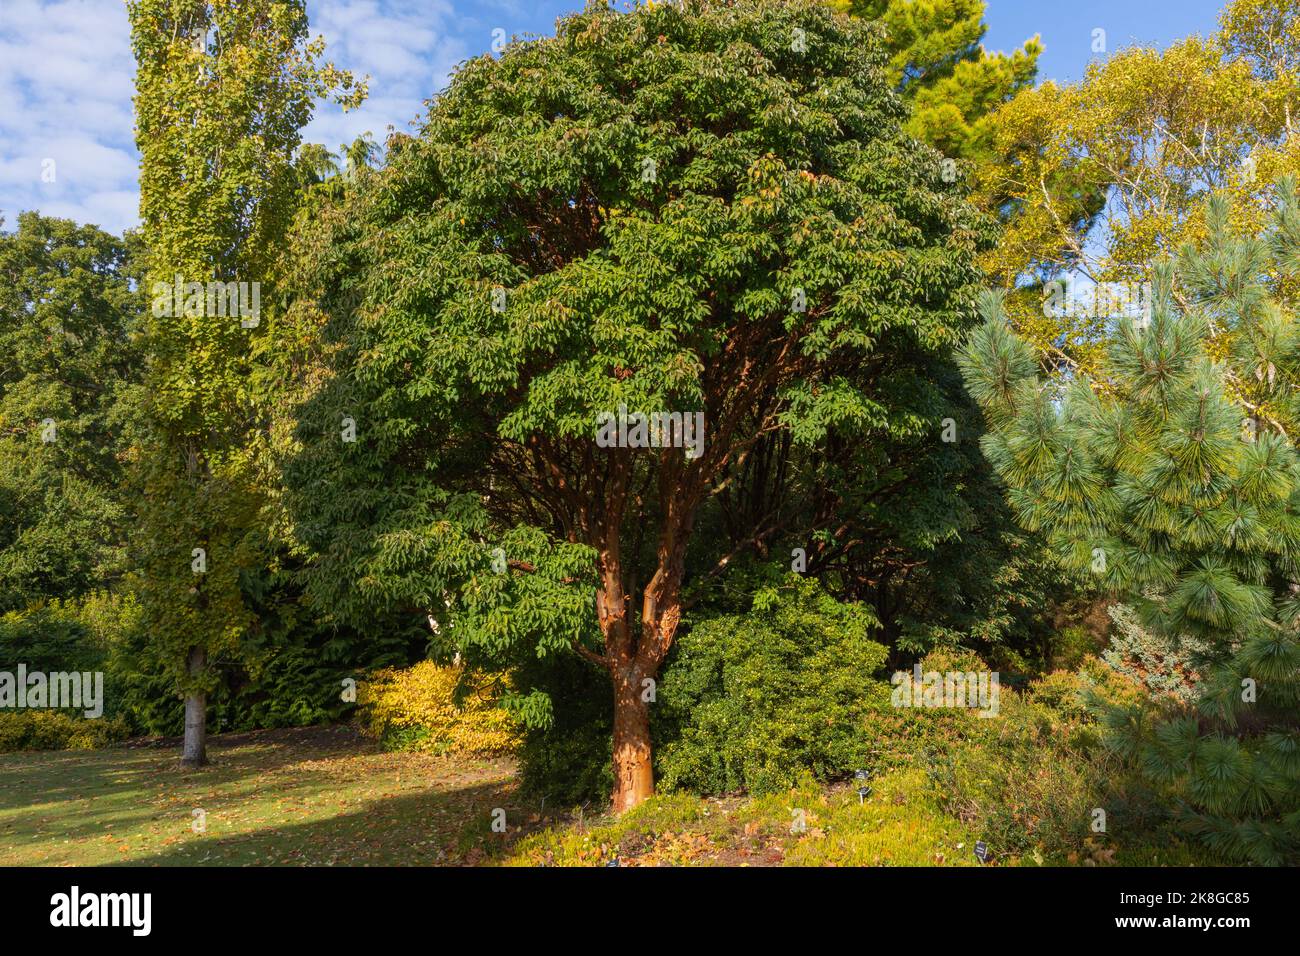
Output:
x,y
406,48
65,95
66,75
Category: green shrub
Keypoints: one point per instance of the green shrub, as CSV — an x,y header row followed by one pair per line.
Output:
x,y
1158,663
751,701
48,638
567,759
1028,780
800,658
1070,646
66,636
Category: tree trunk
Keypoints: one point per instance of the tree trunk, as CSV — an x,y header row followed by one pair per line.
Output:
x,y
633,773
194,753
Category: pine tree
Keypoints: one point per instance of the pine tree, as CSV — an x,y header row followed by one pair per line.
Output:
x,y
941,68
1173,476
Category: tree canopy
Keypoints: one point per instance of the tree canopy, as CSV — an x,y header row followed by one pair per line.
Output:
x,y
709,212
69,377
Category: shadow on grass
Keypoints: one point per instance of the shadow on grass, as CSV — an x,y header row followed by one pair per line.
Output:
x,y
318,796
428,828
49,777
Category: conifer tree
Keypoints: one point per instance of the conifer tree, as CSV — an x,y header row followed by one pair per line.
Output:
x,y
941,68
1172,475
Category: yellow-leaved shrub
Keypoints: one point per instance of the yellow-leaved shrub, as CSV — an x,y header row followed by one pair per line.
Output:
x,y
415,708
56,730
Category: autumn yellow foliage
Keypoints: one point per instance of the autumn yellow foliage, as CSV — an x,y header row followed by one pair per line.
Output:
x,y
415,708
56,730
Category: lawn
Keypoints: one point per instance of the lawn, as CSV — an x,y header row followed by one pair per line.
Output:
x,y
318,796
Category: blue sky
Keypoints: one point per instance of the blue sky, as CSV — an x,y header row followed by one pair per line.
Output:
x,y
66,69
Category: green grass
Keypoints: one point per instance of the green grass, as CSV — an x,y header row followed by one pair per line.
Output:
x,y
318,796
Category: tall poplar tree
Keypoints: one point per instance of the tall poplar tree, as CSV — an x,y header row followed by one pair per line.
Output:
x,y
222,90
